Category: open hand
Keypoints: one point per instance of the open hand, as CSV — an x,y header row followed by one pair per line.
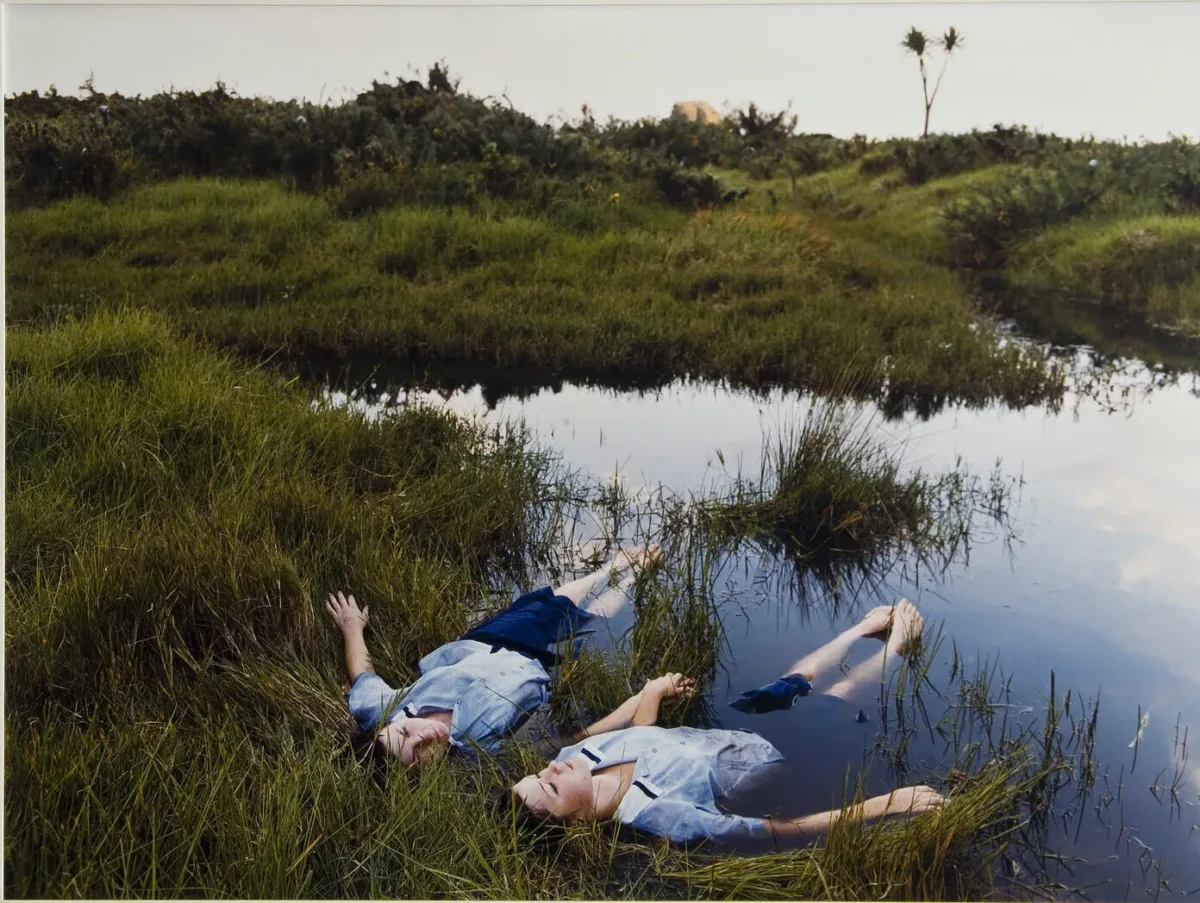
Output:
x,y
670,686
346,613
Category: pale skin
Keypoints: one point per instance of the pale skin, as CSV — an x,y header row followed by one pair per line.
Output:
x,y
425,739
568,791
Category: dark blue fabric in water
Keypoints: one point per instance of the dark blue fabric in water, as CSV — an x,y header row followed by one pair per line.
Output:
x,y
533,625
778,694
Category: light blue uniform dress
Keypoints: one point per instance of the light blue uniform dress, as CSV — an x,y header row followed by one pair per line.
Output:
x,y
488,693
680,774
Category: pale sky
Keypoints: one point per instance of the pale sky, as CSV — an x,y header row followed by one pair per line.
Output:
x,y
1113,69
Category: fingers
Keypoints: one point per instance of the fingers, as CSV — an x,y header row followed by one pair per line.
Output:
x,y
434,732
684,686
343,608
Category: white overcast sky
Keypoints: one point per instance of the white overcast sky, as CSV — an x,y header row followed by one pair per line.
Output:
x,y
1113,69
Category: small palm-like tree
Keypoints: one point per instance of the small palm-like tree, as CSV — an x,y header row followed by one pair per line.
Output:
x,y
916,42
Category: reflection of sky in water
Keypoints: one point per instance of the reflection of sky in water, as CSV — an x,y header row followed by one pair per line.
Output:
x,y
1102,586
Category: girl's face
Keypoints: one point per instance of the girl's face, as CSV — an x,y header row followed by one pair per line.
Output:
x,y
416,740
561,790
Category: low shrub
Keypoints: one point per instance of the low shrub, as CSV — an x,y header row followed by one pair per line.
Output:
x,y
983,227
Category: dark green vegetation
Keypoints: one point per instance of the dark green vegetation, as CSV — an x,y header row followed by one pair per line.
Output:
x,y
175,723
445,234
1112,224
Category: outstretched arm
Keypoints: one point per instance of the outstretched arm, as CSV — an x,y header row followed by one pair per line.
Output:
x,y
618,719
905,801
351,621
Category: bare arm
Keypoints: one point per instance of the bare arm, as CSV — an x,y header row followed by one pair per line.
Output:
x,y
905,801
351,621
619,718
666,687
640,709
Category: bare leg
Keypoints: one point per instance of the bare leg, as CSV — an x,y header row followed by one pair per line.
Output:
x,y
612,600
816,665
907,625
578,590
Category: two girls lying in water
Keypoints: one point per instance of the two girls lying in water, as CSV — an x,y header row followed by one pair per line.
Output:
x,y
474,692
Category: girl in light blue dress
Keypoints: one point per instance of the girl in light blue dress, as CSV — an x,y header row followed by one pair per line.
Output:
x,y
668,782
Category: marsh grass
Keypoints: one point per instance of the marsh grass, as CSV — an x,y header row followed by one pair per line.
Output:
x,y
1103,222
175,724
166,506
748,296
835,498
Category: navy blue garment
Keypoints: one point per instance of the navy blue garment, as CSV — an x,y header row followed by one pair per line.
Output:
x,y
533,625
778,694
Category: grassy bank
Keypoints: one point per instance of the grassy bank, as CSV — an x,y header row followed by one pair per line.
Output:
x,y
1113,224
643,293
1145,266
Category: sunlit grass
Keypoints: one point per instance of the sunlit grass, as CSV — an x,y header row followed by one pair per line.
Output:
x,y
752,297
1144,265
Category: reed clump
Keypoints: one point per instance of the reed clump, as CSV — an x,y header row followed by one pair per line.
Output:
x,y
832,496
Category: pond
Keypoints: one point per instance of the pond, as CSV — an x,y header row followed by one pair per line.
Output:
x,y
1099,585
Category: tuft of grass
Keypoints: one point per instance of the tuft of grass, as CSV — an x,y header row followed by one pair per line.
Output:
x,y
948,854
835,499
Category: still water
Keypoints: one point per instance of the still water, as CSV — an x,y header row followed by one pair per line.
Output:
x,y
1101,585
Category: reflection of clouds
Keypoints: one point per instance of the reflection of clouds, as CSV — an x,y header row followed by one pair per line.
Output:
x,y
1145,498
1142,565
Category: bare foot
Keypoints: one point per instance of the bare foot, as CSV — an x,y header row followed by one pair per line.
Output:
x,y
640,555
907,625
876,623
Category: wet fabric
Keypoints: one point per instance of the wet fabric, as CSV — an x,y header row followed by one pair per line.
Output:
x,y
534,625
680,775
828,749
782,693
